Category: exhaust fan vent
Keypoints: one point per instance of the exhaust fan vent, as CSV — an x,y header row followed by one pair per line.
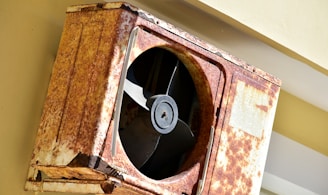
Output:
x,y
137,106
155,122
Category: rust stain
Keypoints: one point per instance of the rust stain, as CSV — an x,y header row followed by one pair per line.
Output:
x,y
232,177
263,107
108,187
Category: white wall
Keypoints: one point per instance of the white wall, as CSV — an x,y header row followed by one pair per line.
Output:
x,y
291,167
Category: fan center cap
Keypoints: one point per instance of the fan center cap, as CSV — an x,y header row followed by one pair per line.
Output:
x,y
164,113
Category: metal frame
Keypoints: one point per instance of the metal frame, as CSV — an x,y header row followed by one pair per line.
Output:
x,y
78,148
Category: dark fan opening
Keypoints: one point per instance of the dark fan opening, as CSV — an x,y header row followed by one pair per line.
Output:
x,y
159,103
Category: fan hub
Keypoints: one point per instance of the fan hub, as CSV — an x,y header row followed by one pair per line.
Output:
x,y
164,113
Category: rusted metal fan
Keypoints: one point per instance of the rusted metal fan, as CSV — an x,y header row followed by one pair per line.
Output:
x,y
159,135
138,106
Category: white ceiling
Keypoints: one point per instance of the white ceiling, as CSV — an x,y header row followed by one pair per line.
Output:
x,y
298,78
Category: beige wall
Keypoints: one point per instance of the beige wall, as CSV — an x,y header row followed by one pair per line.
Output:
x,y
296,27
29,36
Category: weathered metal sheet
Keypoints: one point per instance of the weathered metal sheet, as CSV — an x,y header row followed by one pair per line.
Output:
x,y
78,148
245,136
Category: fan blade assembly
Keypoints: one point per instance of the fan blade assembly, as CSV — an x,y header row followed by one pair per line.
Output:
x,y
158,136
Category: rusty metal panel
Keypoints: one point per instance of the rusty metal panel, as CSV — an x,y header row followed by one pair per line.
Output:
x,y
245,136
78,148
83,88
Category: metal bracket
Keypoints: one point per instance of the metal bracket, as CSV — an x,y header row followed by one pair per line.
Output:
x,y
201,182
121,87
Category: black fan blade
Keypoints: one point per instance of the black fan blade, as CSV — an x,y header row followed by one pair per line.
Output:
x,y
137,93
170,148
181,89
140,140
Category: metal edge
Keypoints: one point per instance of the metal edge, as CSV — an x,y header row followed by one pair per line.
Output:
x,y
177,31
196,41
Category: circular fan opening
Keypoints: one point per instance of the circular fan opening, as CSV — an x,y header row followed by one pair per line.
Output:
x,y
156,125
